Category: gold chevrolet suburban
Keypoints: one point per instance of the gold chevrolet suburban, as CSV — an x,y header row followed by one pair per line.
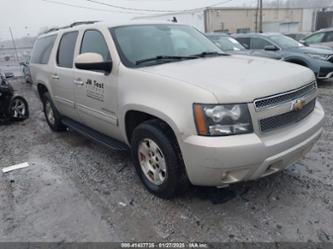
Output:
x,y
190,113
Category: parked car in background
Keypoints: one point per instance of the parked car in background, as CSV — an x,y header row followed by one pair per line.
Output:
x,y
278,46
26,70
297,36
322,37
227,43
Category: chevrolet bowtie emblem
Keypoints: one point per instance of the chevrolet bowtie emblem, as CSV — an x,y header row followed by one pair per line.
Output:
x,y
298,105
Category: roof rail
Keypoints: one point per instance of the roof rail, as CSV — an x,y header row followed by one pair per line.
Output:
x,y
82,23
74,24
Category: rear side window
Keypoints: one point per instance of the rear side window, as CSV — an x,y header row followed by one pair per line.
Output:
x,y
244,41
66,49
93,42
42,50
329,37
259,43
316,38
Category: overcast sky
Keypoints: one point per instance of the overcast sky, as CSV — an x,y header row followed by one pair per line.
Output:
x,y
29,16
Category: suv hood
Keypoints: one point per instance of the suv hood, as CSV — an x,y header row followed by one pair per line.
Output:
x,y
236,78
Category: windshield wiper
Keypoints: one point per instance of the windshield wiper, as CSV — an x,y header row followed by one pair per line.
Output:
x,y
208,54
167,58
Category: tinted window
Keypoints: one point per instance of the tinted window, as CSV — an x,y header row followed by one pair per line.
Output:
x,y
259,43
316,38
42,50
65,55
226,43
244,41
285,42
329,37
93,42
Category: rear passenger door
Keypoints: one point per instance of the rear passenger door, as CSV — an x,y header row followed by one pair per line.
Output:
x,y
96,92
62,77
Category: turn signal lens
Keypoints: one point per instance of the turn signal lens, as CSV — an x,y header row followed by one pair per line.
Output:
x,y
200,120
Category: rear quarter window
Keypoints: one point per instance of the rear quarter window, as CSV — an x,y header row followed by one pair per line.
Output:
x,y
42,50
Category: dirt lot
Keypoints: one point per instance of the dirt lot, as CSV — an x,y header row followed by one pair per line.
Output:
x,y
76,190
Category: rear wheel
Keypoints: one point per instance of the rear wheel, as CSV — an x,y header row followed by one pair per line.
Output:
x,y
18,108
157,160
52,116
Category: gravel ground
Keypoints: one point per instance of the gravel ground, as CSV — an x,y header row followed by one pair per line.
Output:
x,y
76,190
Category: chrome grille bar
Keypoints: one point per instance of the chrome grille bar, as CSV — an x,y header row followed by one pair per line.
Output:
x,y
275,100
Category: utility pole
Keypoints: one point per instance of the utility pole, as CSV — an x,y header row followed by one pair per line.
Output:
x,y
261,17
256,16
14,44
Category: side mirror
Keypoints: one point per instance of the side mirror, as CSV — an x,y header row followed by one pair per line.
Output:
x,y
93,62
271,48
304,43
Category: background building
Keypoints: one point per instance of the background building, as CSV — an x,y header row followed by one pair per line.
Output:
x,y
238,20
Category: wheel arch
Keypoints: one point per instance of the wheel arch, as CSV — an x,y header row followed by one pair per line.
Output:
x,y
298,61
42,88
134,116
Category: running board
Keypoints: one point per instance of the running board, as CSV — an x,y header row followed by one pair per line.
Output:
x,y
94,135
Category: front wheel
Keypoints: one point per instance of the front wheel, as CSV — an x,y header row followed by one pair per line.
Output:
x,y
18,108
157,159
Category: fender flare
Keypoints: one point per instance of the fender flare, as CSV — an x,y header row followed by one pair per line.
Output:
x,y
150,111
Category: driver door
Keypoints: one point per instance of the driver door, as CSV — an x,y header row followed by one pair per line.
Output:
x,y
96,92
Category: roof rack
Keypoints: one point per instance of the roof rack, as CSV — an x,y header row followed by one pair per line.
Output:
x,y
74,24
82,23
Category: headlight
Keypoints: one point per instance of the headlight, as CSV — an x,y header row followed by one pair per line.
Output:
x,y
222,120
319,56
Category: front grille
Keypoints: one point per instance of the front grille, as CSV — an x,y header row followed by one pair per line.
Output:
x,y
275,100
288,118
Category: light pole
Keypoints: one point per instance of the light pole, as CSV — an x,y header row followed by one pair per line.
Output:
x,y
260,16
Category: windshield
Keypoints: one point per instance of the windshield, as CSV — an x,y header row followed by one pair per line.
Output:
x,y
140,43
226,43
285,42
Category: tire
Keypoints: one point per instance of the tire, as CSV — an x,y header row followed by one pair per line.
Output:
x,y
18,109
53,117
145,138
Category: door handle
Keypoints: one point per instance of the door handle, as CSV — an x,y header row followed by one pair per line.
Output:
x,y
78,82
55,76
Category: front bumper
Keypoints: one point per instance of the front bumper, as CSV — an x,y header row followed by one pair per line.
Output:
x,y
325,73
324,70
216,161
